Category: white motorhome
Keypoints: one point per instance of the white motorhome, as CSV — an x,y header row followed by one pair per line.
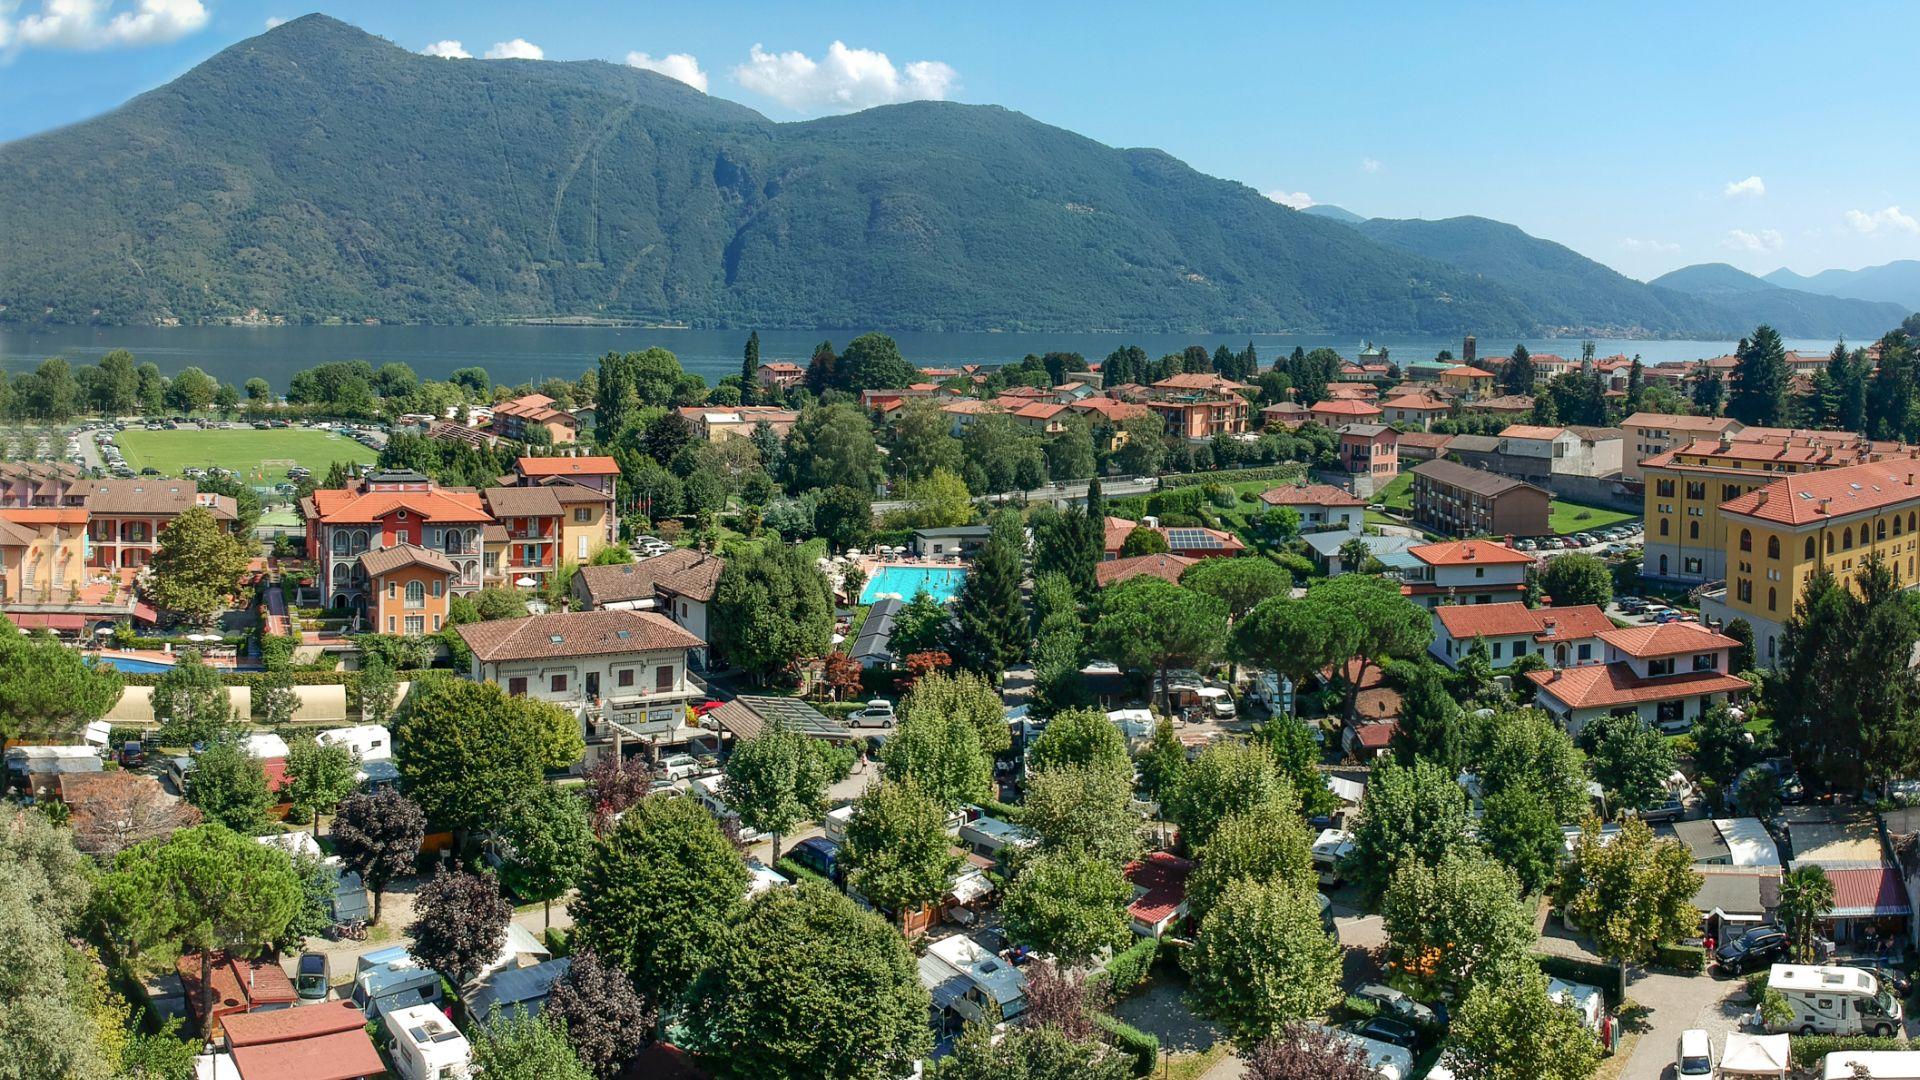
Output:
x,y
372,742
1835,1001
426,1045
1880,1064
1332,846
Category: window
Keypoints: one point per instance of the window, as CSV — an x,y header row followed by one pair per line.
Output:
x,y
1664,488
1812,549
389,624
1846,539
1586,651
1496,650
1880,529
1663,526
1706,661
393,589
1743,590
1773,547
1696,489
517,686
1479,571
1829,543
557,684
1693,530
416,625
1690,565
439,587
1519,649
663,679
1773,596
1662,666
1746,539
436,624
416,594
582,515
1896,524
623,678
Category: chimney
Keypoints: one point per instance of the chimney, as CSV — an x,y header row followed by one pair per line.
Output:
x,y
1824,503
1763,497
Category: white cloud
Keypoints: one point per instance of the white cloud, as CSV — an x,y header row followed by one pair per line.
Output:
x,y
274,20
95,24
1632,244
517,49
844,80
1370,165
1299,200
448,49
1891,219
680,66
1742,240
1752,186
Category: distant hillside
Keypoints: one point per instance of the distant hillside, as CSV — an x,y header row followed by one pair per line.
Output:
x,y
1790,311
317,172
1334,213
1563,288
1896,282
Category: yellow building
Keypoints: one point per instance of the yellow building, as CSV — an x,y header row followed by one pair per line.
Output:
x,y
1686,540
1780,534
1469,380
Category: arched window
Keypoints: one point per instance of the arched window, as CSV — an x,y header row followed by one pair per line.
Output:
x,y
1811,549
1846,539
1693,530
1746,539
1663,526
341,540
1773,598
1896,524
1829,543
1663,566
416,594
1880,529
1910,520
1773,547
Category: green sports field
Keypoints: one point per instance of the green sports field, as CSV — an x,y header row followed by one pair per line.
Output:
x,y
260,457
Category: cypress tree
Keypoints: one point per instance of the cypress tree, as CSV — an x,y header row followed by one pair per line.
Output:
x,y
991,622
750,370
1759,392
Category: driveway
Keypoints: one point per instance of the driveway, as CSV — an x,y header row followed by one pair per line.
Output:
x,y
1672,1004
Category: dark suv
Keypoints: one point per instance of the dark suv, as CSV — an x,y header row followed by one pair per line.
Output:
x,y
1759,947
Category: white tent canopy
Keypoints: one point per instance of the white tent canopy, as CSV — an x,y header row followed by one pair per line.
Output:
x,y
1755,1055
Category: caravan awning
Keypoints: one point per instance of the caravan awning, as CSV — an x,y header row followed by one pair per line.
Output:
x,y
1755,1055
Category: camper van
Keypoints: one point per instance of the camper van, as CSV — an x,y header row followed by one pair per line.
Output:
x,y
389,979
426,1045
1835,1001
1332,846
1880,1064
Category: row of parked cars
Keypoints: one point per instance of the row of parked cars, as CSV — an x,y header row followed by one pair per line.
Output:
x,y
1614,537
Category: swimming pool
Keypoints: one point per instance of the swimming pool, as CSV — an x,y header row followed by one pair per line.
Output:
x,y
907,581
128,663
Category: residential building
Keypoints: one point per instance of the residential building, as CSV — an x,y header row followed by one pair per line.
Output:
x,y
237,986
124,517
322,1041
1419,410
1287,414
624,673
1370,450
1166,567
1332,413
597,471
1467,572
1511,406
43,554
1325,548
967,410
1451,498
1353,391
1780,535
1187,384
716,423
780,374
384,510
949,541
1647,434
678,583
1044,417
1159,904
41,484
1320,506
1469,380
1563,451
520,419
1562,636
587,489
408,588
531,517
1668,675
1417,446
1202,417
1191,542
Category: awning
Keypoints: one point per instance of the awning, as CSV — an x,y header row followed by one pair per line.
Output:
x,y
146,613
1754,1055
40,620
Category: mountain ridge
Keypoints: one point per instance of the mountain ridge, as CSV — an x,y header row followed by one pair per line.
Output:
x,y
1793,312
1891,282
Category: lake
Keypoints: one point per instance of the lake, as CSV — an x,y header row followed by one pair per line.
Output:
x,y
516,354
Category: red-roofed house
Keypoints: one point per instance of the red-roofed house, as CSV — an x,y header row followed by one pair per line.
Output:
x,y
1668,675
1286,414
780,374
1370,451
1333,413
232,985
1191,542
1320,506
1159,892
1467,572
1865,895
520,417
1046,417
1563,636
1419,410
1203,417
326,1041
391,522
1165,566
1472,381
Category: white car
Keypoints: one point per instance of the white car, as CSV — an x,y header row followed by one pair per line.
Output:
x,y
1695,1055
680,767
878,713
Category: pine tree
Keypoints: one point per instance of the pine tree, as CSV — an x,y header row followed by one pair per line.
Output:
x,y
1517,375
1761,380
992,623
1894,389
1636,384
1709,393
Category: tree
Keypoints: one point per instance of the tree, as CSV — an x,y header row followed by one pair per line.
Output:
x,y
1410,815
942,753
123,809
48,690
1240,584
1458,921
1304,1051
1144,541
990,622
750,369
318,777
468,750
1709,390
1161,761
1845,699
1080,738
1352,617
843,517
1889,405
197,566
1630,760
938,500
810,944
460,923
614,783
1630,893
1722,745
873,361
605,1020
1513,1030
276,699
1522,834
1035,1053
832,446
1083,808
1761,380
1150,623
774,781
898,846
659,896
191,703
1517,374
922,443
206,888
1806,897
964,696
229,786
516,1046
1227,778
378,837
922,626
1266,843
770,607
1577,579
544,843
1261,960
1525,750
258,389
1296,756
1070,904
1432,727
378,683
1741,660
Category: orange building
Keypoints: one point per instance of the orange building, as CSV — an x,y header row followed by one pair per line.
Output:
x,y
410,587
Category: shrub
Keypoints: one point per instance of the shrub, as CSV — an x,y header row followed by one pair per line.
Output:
x,y
1130,1040
557,940
1004,811
1607,977
1809,1050
1130,967
796,873
1685,959
1361,1008
1288,471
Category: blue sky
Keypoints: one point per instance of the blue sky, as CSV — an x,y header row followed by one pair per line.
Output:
x,y
1760,134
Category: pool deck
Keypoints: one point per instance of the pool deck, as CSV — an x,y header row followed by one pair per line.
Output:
x,y
160,656
872,567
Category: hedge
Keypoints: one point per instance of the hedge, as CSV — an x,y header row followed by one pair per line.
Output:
x,y
796,873
1809,1050
1609,978
1006,812
1129,968
1685,959
1144,1048
557,941
1291,470
255,679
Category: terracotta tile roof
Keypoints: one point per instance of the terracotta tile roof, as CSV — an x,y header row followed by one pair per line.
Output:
x,y
581,633
1039,410
1468,553
1467,371
1377,734
281,1025
1430,439
684,571
783,367
1803,498
1666,639
1164,877
382,561
1465,622
510,502
1112,410
1197,380
1426,402
1599,686
1167,566
1860,892
1025,392
1310,495
345,506
1573,622
45,515
1530,431
1344,408
970,407
152,495
570,492
590,465
340,1056
1677,422
1285,408
1504,403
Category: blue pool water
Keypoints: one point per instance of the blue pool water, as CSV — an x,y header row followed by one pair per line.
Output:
x,y
127,663
906,581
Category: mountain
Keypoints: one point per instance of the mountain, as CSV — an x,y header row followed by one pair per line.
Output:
x,y
317,172
1792,312
1563,288
1334,213
1896,282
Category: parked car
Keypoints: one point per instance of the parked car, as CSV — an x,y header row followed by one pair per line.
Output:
x,y
878,713
680,767
310,977
1386,1030
1395,1003
1759,947
820,855
1694,1057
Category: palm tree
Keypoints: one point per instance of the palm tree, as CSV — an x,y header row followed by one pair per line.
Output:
x,y
1806,894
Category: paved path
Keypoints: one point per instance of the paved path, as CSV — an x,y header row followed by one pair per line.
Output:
x,y
1674,1003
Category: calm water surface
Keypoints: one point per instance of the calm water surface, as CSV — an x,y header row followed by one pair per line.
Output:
x,y
516,354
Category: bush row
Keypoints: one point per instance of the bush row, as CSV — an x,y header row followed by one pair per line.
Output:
x,y
1129,968
796,873
1809,1050
1292,470
1130,1040
1685,959
1607,977
1004,811
255,679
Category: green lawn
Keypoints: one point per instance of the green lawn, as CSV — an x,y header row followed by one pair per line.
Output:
x,y
1569,517
1398,494
260,457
